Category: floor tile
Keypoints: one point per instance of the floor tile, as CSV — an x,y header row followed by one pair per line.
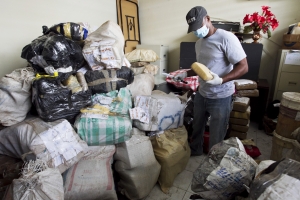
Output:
x,y
193,163
187,195
183,180
174,194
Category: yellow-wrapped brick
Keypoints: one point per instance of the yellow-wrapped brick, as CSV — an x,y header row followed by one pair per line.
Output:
x,y
202,71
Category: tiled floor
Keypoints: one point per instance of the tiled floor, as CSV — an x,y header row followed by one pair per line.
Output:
x,y
182,185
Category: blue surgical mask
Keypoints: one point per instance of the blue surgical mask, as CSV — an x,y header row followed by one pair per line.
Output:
x,y
201,32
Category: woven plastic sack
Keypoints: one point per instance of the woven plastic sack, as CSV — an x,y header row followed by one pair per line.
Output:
x,y
142,55
133,158
157,112
103,48
38,182
91,178
224,172
172,151
189,83
143,84
15,95
59,145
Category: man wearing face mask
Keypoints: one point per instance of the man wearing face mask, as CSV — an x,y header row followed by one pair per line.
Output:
x,y
222,53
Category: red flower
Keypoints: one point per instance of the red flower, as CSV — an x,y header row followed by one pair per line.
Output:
x,y
262,22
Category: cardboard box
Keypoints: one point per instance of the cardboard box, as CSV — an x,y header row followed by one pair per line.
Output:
x,y
291,41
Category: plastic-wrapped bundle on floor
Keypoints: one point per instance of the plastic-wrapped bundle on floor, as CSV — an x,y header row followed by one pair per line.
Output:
x,y
70,30
103,48
225,171
280,181
107,121
108,80
172,151
54,52
136,165
38,182
59,145
15,95
91,178
157,112
54,101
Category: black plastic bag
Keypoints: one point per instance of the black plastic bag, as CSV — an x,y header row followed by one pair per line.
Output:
x,y
70,30
53,101
103,81
56,51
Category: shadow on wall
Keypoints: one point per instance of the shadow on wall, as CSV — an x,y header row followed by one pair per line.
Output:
x,y
174,51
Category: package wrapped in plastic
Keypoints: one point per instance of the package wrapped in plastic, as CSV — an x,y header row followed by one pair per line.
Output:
x,y
38,182
143,55
108,80
54,101
224,172
70,30
172,151
135,162
15,95
54,52
157,112
143,84
103,49
280,181
116,101
59,145
91,178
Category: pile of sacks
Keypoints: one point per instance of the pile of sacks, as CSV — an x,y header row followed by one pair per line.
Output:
x,y
84,125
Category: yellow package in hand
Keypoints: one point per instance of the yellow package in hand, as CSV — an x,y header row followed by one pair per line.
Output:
x,y
202,71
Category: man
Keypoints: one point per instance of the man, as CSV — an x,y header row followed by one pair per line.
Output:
x,y
222,53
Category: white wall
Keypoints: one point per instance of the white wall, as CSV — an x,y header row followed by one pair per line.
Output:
x,y
21,22
163,22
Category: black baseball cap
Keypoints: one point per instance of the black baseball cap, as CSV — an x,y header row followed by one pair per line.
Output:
x,y
194,18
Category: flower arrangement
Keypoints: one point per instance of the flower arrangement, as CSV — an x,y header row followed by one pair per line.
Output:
x,y
262,22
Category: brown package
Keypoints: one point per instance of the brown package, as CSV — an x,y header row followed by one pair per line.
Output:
x,y
241,104
245,84
248,93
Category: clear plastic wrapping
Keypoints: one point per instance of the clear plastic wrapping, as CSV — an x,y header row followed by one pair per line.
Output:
x,y
280,181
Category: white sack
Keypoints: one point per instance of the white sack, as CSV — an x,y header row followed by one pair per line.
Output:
x,y
103,48
91,178
58,145
15,95
38,182
157,112
143,84
135,162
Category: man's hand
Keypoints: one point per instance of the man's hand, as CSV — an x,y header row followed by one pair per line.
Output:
x,y
216,80
180,76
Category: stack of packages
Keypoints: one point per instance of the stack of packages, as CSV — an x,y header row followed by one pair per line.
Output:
x,y
246,88
239,118
78,112
240,115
